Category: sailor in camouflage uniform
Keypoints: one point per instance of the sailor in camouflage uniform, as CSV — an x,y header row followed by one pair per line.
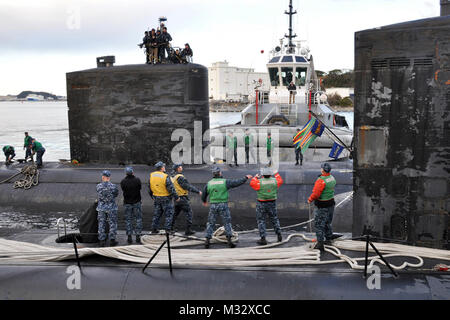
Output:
x,y
217,189
182,187
162,191
323,197
107,209
267,191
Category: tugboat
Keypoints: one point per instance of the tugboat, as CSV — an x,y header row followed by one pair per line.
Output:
x,y
273,111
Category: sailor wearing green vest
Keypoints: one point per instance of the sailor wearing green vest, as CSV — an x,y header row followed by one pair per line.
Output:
x,y
182,187
36,147
323,197
267,191
162,191
27,143
249,147
217,190
231,145
269,147
9,153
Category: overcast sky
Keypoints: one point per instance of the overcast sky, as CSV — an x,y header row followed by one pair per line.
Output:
x,y
41,40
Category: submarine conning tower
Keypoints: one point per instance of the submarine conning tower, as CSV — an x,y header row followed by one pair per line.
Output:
x,y
402,125
127,114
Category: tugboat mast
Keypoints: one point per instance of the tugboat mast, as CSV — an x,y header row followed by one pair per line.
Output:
x,y
290,46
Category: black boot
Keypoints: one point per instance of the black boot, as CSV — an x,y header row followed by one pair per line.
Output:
x,y
138,240
296,163
189,232
230,243
262,241
207,243
155,231
280,238
320,246
335,236
129,240
101,243
113,243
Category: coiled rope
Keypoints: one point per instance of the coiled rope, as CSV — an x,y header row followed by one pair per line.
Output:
x,y
268,255
31,178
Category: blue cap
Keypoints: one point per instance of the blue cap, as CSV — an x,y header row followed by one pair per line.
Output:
x,y
106,173
160,164
129,171
176,166
215,170
326,167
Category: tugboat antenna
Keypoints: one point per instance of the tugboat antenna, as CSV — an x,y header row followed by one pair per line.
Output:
x,y
291,46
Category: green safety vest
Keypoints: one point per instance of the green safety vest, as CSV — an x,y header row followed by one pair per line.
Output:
x,y
27,141
269,143
37,146
268,189
328,192
232,142
217,190
7,148
247,140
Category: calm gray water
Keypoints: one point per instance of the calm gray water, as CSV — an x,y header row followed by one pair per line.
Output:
x,y
47,122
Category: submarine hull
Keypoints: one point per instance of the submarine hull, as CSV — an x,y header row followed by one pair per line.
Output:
x,y
65,188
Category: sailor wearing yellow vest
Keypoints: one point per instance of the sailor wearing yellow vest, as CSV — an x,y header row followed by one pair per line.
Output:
x,y
217,190
267,191
323,197
182,187
162,191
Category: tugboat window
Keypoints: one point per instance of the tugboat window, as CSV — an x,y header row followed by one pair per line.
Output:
x,y
274,60
300,76
287,59
274,77
299,59
287,75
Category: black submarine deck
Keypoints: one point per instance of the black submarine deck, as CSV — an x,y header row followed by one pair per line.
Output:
x,y
106,278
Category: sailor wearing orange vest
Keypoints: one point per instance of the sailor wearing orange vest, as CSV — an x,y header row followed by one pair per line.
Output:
x,y
162,191
267,191
323,197
182,187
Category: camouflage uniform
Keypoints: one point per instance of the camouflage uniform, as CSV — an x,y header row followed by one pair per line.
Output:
x,y
107,209
184,204
164,205
222,210
262,210
220,207
322,222
133,212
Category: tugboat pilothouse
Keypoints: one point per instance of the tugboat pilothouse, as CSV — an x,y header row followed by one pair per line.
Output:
x,y
283,109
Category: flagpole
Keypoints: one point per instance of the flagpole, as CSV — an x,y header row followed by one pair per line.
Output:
x,y
330,131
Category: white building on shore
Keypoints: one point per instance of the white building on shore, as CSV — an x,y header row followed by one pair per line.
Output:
x,y
233,83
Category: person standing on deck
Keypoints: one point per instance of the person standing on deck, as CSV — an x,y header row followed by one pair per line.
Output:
x,y
267,191
217,190
38,149
131,189
182,186
107,209
27,143
162,191
323,197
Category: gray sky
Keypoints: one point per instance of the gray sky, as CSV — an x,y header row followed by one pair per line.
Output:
x,y
41,40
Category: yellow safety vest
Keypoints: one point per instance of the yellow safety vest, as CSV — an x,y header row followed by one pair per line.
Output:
x,y
180,191
158,184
